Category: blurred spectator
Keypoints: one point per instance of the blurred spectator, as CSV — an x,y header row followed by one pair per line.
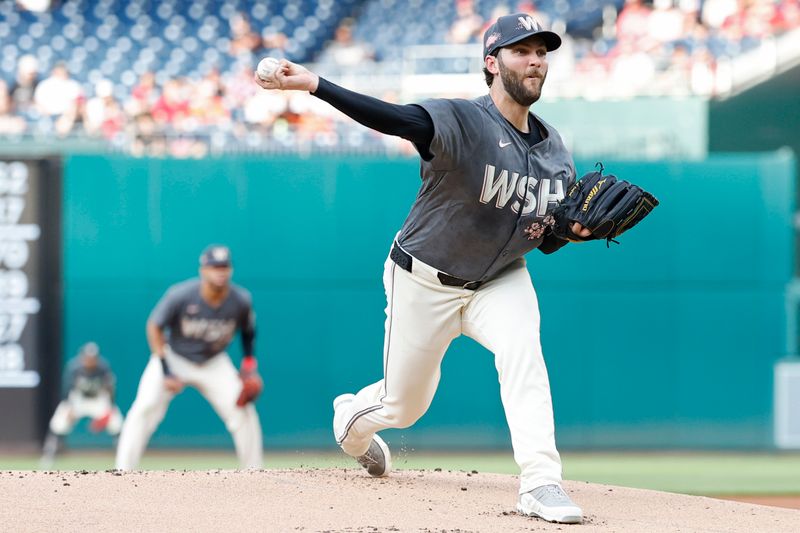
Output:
x,y
714,12
787,16
103,115
9,123
753,19
37,6
274,42
239,87
562,61
665,23
694,31
703,71
173,105
344,50
207,107
243,39
143,95
310,128
661,46
264,108
466,27
633,22
591,75
57,95
675,77
60,99
500,10
27,79
147,139
632,70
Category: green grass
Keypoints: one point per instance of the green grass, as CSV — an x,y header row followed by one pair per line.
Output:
x,y
689,473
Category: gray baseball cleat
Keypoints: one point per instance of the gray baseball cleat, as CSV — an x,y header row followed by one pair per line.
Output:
x,y
551,503
377,459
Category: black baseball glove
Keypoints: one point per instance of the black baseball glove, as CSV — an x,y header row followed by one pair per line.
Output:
x,y
603,204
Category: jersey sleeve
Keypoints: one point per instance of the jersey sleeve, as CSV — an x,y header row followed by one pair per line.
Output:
x,y
407,121
458,127
551,244
166,308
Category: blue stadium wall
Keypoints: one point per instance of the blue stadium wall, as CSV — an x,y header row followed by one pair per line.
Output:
x,y
666,340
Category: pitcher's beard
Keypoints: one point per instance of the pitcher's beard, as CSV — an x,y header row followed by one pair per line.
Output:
x,y
515,86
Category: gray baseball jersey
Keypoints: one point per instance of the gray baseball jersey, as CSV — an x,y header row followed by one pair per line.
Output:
x,y
485,194
197,331
88,382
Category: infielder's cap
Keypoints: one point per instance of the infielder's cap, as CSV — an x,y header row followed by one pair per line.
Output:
x,y
511,29
90,349
216,255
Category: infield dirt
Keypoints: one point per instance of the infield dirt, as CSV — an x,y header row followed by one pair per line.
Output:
x,y
345,500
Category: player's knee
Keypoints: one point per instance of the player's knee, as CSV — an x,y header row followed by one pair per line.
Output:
x,y
59,427
521,347
406,417
149,411
244,417
114,426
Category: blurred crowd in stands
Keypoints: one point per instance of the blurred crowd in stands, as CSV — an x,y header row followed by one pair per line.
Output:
x,y
675,46
665,47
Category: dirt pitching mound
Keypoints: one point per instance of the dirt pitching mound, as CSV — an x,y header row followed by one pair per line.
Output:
x,y
344,500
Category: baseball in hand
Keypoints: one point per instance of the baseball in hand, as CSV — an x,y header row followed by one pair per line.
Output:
x,y
267,67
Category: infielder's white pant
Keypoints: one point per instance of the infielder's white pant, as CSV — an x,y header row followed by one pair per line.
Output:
x,y
219,383
77,406
423,317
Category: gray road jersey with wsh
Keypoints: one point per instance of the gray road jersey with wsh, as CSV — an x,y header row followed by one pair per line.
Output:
x,y
197,331
485,192
88,382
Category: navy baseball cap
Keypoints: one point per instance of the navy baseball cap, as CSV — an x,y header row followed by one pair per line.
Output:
x,y
216,255
511,29
89,349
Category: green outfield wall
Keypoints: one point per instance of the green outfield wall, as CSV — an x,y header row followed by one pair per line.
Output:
x,y
666,340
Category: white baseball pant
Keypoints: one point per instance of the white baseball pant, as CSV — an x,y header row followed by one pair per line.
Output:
x,y
422,318
219,383
77,406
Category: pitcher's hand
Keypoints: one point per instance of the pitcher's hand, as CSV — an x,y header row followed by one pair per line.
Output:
x,y
290,77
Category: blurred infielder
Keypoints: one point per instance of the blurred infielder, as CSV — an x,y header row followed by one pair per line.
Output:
x,y
88,392
492,173
188,331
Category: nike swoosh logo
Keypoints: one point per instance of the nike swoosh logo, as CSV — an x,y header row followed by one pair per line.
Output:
x,y
503,145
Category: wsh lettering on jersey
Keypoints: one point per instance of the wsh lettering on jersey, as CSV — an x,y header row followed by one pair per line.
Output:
x,y
501,186
208,330
89,385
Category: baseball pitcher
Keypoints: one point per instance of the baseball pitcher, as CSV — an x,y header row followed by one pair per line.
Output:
x,y
188,332
492,175
88,393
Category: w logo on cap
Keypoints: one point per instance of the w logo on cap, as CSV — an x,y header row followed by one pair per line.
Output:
x,y
215,255
219,254
529,23
510,29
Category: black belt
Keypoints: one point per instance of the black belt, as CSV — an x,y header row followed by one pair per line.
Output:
x,y
403,260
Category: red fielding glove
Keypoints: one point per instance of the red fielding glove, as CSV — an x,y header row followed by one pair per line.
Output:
x,y
252,384
100,423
